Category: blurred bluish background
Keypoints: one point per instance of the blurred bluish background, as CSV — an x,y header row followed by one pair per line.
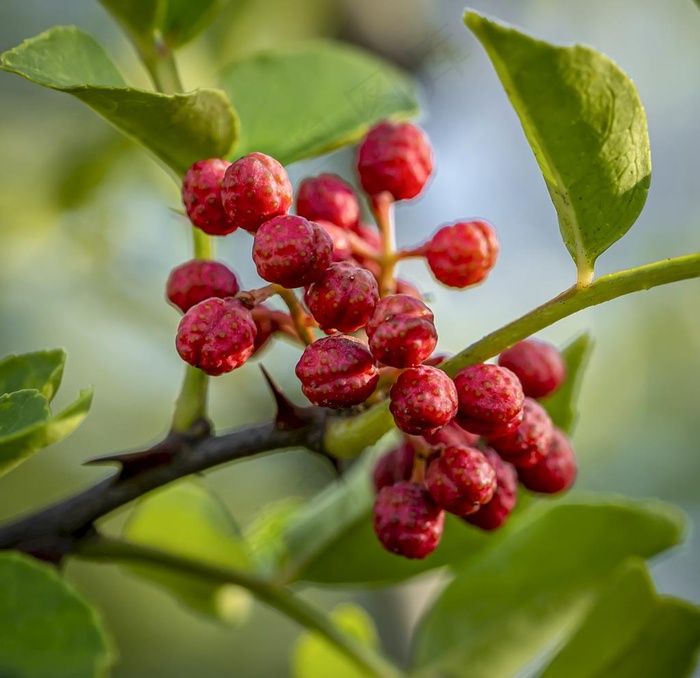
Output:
x,y
87,240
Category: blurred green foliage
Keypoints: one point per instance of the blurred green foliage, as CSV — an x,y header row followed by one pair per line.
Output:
x,y
87,240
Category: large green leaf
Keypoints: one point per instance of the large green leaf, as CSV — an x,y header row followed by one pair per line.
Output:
x,y
188,520
179,128
27,425
586,125
296,103
504,607
41,370
315,657
47,630
174,21
631,632
562,405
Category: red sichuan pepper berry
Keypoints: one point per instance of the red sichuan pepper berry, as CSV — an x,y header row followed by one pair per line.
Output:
x,y
291,251
491,516
395,157
394,466
254,189
201,195
405,287
463,253
401,331
529,443
342,247
423,399
539,366
265,325
460,480
197,280
406,520
556,471
216,335
329,198
343,298
490,400
337,372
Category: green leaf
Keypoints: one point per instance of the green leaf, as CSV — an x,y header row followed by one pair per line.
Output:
x,y
26,424
138,17
631,632
299,102
315,657
41,370
186,519
184,20
587,128
265,535
561,405
174,21
536,583
46,628
179,128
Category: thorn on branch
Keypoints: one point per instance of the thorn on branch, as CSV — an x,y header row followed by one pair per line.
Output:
x,y
288,416
133,464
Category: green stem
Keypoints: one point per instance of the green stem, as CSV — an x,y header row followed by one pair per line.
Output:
x,y
349,437
203,244
160,63
191,403
572,301
280,598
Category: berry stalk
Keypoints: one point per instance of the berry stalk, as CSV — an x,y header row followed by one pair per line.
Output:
x,y
382,206
299,317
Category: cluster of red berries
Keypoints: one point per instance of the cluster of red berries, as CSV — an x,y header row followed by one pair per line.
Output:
x,y
380,335
497,433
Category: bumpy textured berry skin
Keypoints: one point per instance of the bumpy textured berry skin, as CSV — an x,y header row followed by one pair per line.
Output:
x,y
452,434
460,480
395,157
463,253
423,399
529,443
337,372
329,198
539,366
216,335
343,298
556,471
406,520
201,195
401,331
197,280
254,189
490,399
394,466
291,251
491,516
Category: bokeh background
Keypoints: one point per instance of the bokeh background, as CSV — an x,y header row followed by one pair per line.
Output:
x,y
87,239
